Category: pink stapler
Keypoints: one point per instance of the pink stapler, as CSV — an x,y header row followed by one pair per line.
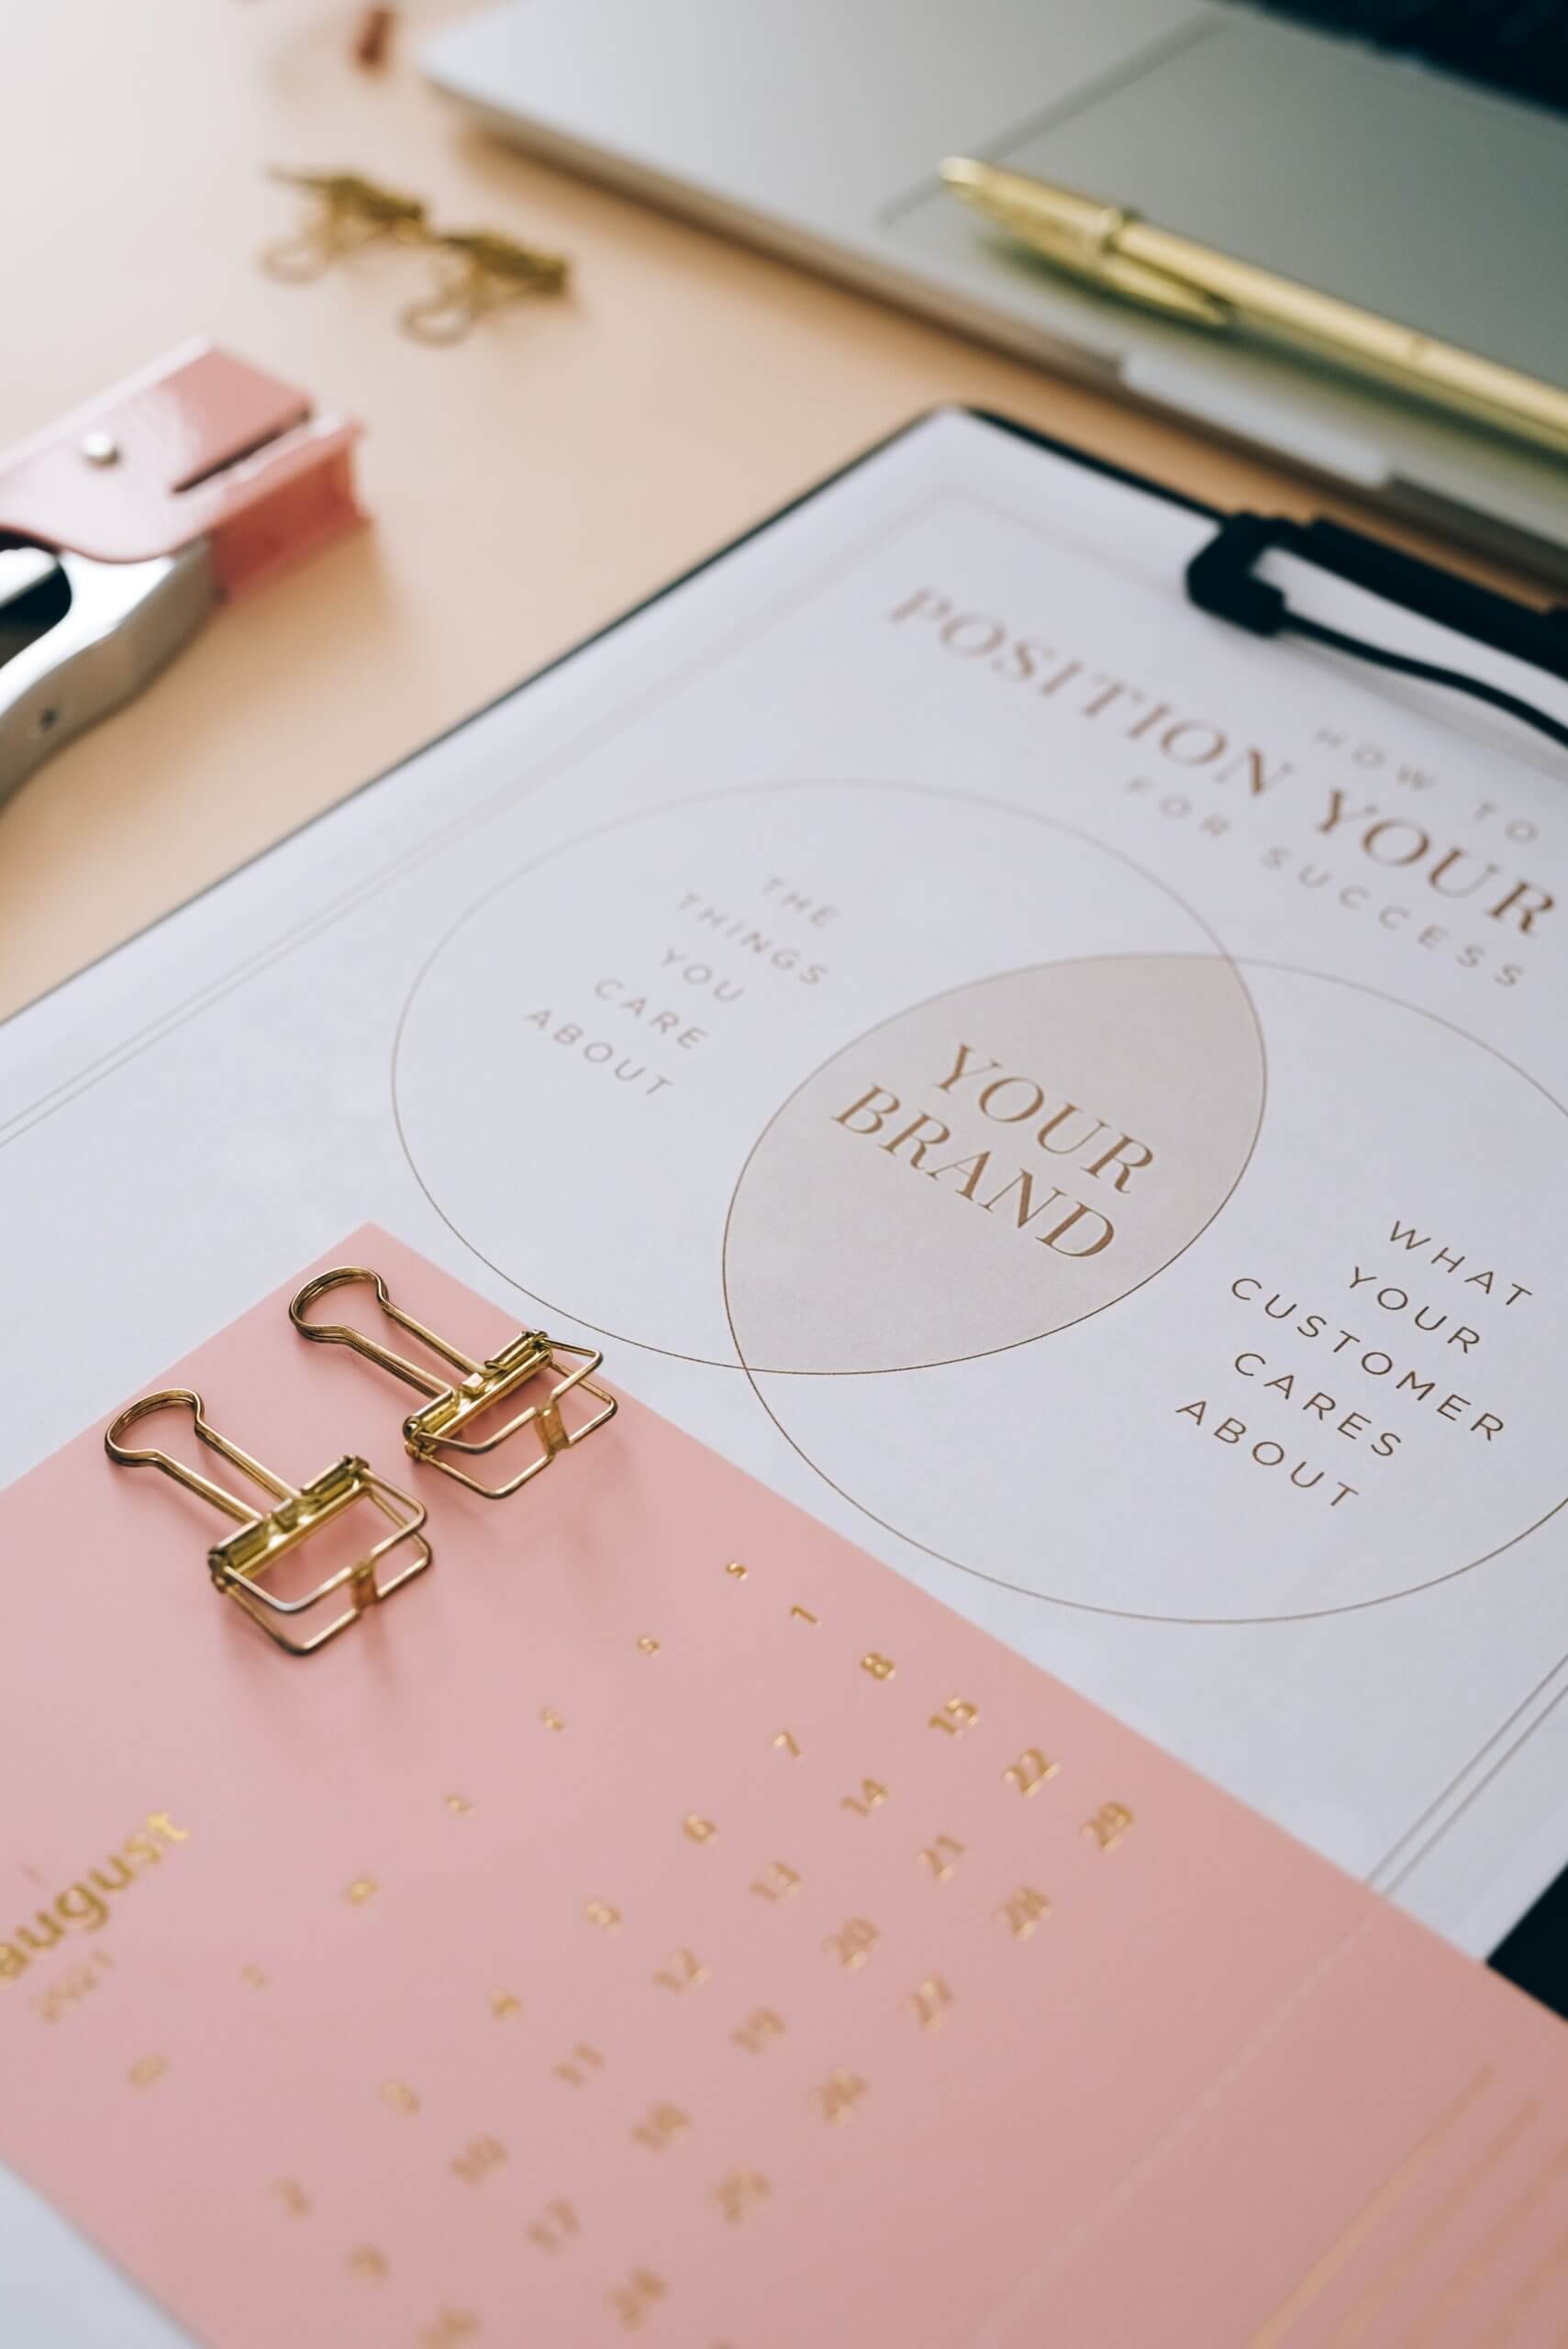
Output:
x,y
122,524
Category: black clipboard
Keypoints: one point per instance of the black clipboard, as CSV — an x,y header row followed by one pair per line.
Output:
x,y
1220,580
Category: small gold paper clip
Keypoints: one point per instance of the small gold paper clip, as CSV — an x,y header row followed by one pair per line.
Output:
x,y
456,1403
347,212
478,270
240,1564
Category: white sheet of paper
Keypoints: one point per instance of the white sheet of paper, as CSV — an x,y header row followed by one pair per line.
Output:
x,y
1069,1093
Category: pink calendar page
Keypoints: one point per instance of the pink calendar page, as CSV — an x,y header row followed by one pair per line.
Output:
x,y
660,1921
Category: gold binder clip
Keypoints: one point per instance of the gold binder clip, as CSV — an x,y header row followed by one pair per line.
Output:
x,y
478,270
347,211
456,1403
240,1564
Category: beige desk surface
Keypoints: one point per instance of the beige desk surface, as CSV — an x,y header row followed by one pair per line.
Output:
x,y
525,485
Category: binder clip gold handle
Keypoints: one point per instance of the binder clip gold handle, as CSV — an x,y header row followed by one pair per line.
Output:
x,y
454,1404
173,1398
241,1566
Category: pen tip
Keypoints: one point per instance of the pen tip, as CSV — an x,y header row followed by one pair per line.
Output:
x,y
959,171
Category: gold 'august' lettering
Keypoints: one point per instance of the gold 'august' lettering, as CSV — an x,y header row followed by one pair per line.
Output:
x,y
84,1906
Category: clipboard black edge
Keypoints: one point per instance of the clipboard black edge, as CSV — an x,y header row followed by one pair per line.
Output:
x,y
1533,1954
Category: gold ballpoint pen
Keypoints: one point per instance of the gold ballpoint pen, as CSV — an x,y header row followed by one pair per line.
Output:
x,y
1122,253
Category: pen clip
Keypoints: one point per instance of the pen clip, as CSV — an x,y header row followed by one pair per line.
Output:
x,y
1081,235
1091,249
1157,289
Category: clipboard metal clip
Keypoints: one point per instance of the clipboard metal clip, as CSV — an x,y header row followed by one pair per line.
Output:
x,y
1221,579
241,1565
440,1426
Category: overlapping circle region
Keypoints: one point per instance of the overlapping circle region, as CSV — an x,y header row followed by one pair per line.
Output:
x,y
990,1166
